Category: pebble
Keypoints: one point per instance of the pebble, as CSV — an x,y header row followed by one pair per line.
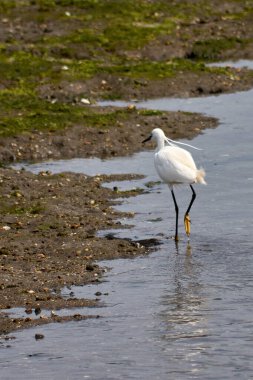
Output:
x,y
6,228
39,336
37,310
90,267
85,101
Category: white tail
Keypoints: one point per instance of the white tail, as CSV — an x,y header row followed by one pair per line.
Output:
x,y
201,176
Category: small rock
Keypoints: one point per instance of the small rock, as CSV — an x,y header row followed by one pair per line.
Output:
x,y
39,336
43,317
37,310
85,101
6,228
131,107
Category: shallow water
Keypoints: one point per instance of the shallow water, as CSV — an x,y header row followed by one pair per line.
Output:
x,y
182,312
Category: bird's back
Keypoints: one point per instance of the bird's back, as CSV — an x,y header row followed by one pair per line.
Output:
x,y
175,165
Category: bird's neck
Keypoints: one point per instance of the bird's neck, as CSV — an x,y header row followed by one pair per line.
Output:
x,y
160,144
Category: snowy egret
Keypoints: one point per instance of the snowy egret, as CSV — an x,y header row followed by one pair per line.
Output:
x,y
175,166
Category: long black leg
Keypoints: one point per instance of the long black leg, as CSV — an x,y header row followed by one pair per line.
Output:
x,y
187,220
192,200
176,209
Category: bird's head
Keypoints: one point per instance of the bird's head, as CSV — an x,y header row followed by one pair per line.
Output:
x,y
157,134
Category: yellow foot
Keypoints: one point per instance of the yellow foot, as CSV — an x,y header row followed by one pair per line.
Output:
x,y
187,224
176,238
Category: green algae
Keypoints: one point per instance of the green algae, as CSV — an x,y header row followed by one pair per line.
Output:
x,y
23,111
143,69
26,112
13,209
211,49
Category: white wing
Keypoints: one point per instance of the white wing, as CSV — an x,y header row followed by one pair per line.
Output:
x,y
175,165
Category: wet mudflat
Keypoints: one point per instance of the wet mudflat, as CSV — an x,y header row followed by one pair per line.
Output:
x,y
184,311
58,58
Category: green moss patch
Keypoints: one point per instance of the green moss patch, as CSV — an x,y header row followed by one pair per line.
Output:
x,y
33,209
24,112
211,49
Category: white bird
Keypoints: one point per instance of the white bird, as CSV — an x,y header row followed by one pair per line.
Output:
x,y
175,166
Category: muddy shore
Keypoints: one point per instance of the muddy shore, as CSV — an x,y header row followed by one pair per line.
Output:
x,y
49,223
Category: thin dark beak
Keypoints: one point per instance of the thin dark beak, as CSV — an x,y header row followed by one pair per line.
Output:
x,y
147,139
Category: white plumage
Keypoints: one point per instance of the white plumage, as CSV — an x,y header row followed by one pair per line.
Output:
x,y
176,166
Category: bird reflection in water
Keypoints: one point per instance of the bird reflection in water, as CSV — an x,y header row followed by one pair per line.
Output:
x,y
184,299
